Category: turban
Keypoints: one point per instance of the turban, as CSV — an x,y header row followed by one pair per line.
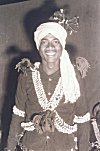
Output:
x,y
70,84
50,27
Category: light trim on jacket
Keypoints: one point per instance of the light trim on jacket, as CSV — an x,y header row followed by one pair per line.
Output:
x,y
18,112
82,119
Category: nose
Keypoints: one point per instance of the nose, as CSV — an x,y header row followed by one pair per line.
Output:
x,y
50,46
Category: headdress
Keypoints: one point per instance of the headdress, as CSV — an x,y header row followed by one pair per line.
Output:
x,y
70,84
69,24
50,27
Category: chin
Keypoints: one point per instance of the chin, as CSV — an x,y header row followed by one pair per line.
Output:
x,y
50,60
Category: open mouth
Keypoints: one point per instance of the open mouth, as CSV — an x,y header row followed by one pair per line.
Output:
x,y
50,53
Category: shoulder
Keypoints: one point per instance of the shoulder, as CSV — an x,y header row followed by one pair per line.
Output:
x,y
24,66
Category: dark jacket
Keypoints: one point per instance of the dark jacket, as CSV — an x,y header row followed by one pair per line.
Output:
x,y
26,101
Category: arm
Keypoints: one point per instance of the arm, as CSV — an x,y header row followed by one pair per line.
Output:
x,y
18,113
82,117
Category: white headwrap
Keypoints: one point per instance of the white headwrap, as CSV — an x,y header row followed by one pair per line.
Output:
x,y
70,84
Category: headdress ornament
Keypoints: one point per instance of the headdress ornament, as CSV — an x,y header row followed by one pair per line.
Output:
x,y
69,24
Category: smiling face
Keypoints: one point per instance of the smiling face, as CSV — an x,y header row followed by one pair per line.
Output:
x,y
50,49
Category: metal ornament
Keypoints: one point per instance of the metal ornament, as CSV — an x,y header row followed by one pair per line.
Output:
x,y
70,24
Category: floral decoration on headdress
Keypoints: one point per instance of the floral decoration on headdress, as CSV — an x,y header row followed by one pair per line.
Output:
x,y
70,24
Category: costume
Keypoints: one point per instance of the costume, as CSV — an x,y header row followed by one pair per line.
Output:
x,y
50,108
29,105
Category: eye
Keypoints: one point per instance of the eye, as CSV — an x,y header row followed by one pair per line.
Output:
x,y
44,41
56,41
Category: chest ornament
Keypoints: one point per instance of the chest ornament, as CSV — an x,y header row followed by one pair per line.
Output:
x,y
42,99
52,103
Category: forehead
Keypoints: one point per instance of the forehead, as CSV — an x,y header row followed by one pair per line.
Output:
x,y
49,36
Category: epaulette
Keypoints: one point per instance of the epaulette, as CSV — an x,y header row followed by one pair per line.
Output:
x,y
23,65
82,65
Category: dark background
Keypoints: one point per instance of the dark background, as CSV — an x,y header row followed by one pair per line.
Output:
x,y
4,2
19,19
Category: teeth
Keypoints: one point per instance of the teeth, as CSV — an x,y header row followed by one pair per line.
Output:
x,y
50,53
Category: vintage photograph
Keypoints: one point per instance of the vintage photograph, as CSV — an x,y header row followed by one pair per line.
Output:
x,y
49,75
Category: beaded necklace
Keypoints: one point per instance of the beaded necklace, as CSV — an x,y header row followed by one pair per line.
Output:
x,y
53,102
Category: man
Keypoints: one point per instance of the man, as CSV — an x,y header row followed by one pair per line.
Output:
x,y
50,102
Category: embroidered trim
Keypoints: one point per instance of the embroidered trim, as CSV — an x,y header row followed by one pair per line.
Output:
x,y
82,119
42,99
76,145
61,126
18,112
28,126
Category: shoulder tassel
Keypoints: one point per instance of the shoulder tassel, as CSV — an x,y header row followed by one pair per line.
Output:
x,y
23,65
82,65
